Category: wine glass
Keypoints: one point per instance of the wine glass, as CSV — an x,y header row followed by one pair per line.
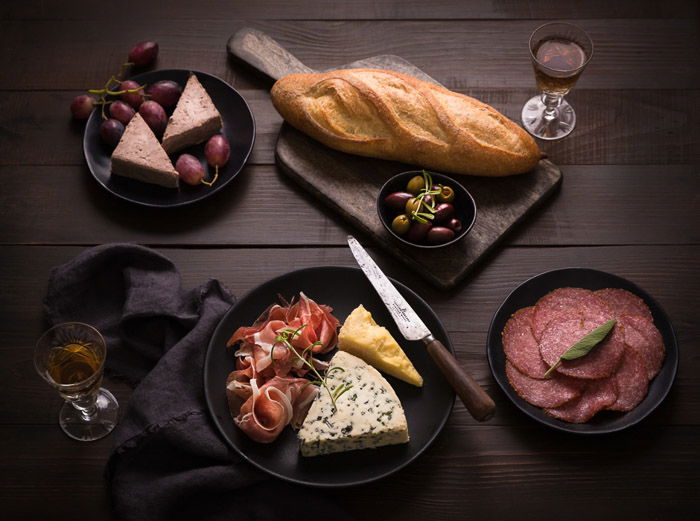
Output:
x,y
559,52
71,358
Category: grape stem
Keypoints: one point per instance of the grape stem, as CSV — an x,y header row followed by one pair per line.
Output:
x,y
216,176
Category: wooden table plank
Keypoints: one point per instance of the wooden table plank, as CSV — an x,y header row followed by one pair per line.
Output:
x,y
359,9
631,54
614,127
651,204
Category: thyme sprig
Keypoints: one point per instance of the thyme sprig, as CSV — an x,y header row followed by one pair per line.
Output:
x,y
417,214
285,338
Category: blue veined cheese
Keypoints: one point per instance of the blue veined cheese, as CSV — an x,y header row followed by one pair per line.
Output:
x,y
368,415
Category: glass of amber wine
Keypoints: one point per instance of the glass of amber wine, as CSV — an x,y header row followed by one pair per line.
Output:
x,y
559,52
71,358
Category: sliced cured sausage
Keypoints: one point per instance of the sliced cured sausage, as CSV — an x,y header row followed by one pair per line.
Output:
x,y
551,392
565,330
520,347
561,301
644,338
631,381
622,302
598,395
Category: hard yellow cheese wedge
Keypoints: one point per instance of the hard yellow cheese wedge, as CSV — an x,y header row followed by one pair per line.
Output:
x,y
362,337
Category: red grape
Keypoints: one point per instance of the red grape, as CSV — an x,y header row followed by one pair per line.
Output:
x,y
165,92
111,132
190,169
121,111
217,151
132,98
143,54
82,106
155,116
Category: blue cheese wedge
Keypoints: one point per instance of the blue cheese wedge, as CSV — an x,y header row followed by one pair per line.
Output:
x,y
368,415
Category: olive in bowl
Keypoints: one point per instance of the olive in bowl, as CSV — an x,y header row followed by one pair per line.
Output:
x,y
426,209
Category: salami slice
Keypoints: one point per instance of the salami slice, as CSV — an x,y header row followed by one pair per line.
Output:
x,y
598,395
565,330
641,336
520,347
551,392
622,302
561,301
631,380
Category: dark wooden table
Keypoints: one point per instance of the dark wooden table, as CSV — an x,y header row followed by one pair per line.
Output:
x,y
629,204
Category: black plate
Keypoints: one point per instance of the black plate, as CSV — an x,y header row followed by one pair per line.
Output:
x,y
527,294
427,408
239,130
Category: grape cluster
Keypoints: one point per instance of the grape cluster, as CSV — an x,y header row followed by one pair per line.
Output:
x,y
217,151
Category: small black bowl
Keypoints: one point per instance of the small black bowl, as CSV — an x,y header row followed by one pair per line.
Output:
x,y
465,207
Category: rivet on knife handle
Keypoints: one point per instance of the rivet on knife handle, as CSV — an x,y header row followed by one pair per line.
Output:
x,y
475,399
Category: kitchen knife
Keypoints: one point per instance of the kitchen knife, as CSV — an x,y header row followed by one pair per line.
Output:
x,y
475,399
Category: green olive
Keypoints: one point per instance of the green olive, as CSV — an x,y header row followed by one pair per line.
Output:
x,y
447,195
400,224
412,205
415,185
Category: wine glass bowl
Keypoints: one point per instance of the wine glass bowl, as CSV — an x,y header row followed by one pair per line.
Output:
x,y
71,358
559,53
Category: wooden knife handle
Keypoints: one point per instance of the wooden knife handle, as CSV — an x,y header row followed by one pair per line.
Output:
x,y
265,54
475,399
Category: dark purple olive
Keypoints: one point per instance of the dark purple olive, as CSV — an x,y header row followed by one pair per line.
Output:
x,y
455,225
443,213
396,202
418,231
439,235
428,200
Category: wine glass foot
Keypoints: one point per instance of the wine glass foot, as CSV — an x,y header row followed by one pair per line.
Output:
x,y
536,124
105,419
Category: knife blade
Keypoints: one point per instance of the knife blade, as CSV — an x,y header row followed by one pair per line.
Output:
x,y
475,399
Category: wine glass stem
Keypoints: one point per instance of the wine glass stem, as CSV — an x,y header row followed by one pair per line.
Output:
x,y
551,102
86,406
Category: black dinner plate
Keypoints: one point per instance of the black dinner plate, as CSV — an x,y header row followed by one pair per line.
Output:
x,y
238,128
528,293
427,408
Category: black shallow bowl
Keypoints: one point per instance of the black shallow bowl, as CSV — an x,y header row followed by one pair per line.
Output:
x,y
527,294
239,130
465,207
427,408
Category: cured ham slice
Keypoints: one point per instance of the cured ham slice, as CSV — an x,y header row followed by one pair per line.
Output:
x,y
267,379
273,406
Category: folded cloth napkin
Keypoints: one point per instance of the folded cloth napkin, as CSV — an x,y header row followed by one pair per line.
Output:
x,y
168,460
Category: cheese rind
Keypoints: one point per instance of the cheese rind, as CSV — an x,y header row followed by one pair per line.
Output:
x,y
368,415
362,337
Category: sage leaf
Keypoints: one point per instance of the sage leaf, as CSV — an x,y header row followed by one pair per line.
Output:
x,y
585,345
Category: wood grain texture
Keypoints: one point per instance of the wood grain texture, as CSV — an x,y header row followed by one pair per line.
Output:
x,y
651,204
630,54
334,10
614,127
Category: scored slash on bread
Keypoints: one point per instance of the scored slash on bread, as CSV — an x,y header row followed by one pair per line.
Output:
x,y
194,120
140,156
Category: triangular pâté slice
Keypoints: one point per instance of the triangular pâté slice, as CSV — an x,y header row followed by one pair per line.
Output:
x,y
194,120
139,155
367,415
363,337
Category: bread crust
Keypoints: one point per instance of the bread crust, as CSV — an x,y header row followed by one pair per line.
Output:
x,y
389,115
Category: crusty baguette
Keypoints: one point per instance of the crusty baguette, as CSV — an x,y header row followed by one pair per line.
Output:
x,y
389,115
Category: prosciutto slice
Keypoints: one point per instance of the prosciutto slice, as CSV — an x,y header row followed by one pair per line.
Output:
x,y
268,372
273,406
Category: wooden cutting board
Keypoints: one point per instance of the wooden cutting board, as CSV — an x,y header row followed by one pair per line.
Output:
x,y
349,184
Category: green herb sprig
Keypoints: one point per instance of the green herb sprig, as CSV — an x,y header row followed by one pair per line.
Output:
x,y
285,337
584,346
417,214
